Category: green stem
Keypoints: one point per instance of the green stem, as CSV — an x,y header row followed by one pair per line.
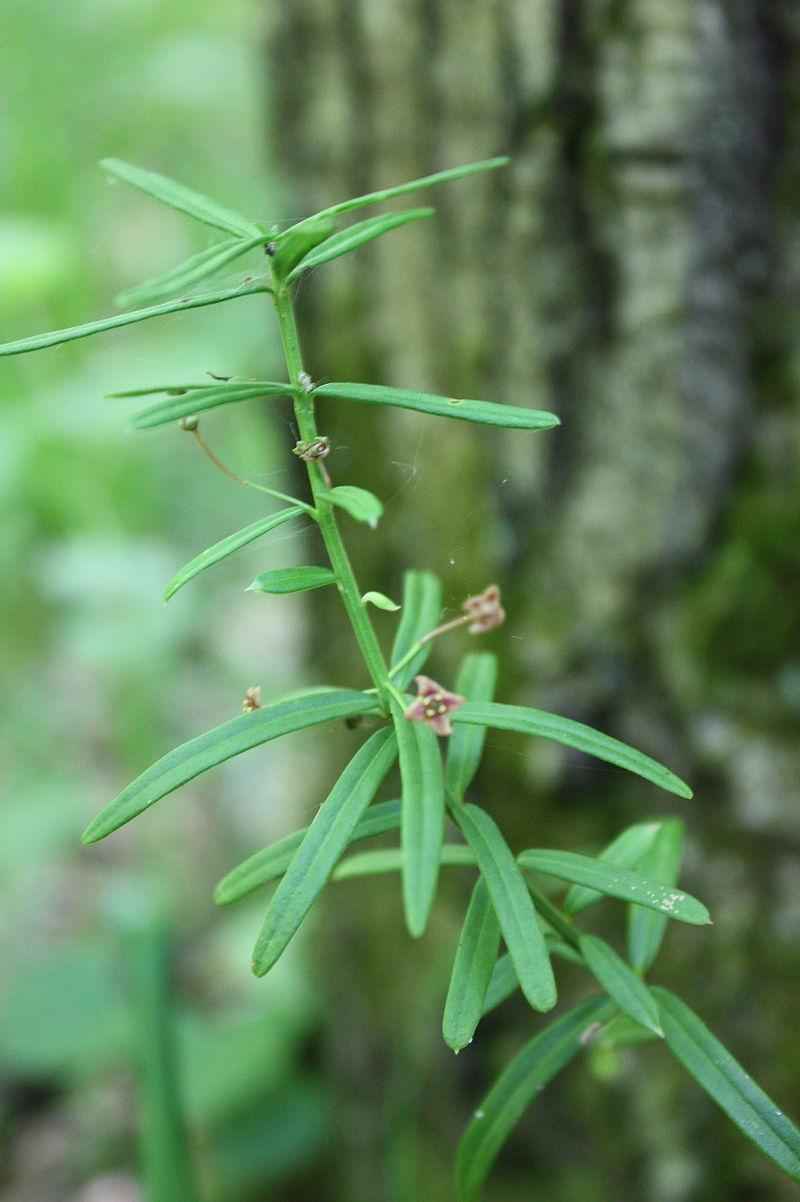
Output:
x,y
326,515
557,919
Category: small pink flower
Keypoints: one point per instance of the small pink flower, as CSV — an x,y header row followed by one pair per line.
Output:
x,y
485,610
434,705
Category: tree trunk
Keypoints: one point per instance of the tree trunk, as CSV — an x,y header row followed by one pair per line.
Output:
x,y
630,272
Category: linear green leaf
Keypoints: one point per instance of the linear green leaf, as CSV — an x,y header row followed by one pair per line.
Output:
x,y
168,389
516,1087
475,681
189,273
271,862
414,185
422,605
504,980
289,247
226,546
626,850
232,738
623,1031
391,859
620,982
661,862
474,961
362,505
356,235
721,1076
486,413
380,601
573,734
292,580
178,196
55,337
422,827
617,882
325,840
512,904
198,400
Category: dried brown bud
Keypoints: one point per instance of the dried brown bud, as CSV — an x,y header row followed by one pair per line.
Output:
x,y
312,452
485,610
252,699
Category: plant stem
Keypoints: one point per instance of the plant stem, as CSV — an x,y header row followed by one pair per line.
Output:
x,y
326,516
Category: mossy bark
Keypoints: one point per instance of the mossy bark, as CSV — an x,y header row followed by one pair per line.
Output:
x,y
632,271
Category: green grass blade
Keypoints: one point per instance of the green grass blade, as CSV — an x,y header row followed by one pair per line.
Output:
x,y
362,505
189,273
271,862
572,734
475,681
232,738
198,400
357,235
617,882
620,982
40,342
724,1079
422,827
486,413
422,606
391,859
227,546
516,1087
325,840
292,580
178,196
414,185
626,850
512,904
472,969
661,862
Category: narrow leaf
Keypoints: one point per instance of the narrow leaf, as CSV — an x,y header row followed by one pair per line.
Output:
x,y
620,982
292,580
362,505
40,341
721,1076
504,980
325,840
422,605
624,1032
516,1087
661,862
625,851
189,273
486,413
422,828
414,185
617,882
177,196
271,862
472,969
227,546
392,859
573,734
292,244
198,400
512,904
232,738
350,239
475,681
380,601
167,389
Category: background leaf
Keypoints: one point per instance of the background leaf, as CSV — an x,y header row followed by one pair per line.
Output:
x,y
198,400
620,982
222,743
721,1076
226,546
422,827
476,680
178,196
573,734
661,862
626,850
422,606
355,236
324,841
391,859
484,412
472,969
189,273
